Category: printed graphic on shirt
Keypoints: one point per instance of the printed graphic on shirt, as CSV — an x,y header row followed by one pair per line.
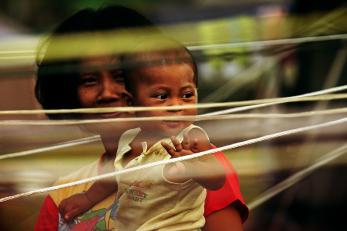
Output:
x,y
93,220
136,194
137,190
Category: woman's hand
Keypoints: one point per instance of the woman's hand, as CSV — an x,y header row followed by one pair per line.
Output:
x,y
74,206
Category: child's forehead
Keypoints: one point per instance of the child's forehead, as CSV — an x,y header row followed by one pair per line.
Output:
x,y
155,60
165,73
156,55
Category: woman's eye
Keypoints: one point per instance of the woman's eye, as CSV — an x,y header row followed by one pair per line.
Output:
x,y
160,96
88,79
118,76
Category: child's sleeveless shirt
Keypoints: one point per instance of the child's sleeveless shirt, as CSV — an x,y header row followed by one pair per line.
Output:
x,y
148,201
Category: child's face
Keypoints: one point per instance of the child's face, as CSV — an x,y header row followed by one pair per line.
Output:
x,y
165,85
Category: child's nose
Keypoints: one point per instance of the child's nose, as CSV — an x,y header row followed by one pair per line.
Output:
x,y
175,102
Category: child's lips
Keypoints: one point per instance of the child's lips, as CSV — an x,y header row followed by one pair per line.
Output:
x,y
172,124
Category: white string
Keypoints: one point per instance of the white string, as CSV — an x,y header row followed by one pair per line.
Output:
x,y
317,95
280,101
218,117
273,191
182,158
177,118
70,143
233,116
178,107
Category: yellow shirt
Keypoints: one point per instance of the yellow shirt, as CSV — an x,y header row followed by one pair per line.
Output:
x,y
148,201
101,216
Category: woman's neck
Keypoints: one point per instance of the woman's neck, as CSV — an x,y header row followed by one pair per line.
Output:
x,y
110,145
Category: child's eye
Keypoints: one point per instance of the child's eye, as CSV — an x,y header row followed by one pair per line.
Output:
x,y
88,79
187,95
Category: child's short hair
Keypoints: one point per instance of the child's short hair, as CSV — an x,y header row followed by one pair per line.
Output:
x,y
153,51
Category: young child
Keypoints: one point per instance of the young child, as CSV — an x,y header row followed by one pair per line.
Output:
x,y
169,197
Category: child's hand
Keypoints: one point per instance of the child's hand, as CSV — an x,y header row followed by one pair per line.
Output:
x,y
176,172
193,142
179,149
74,206
205,170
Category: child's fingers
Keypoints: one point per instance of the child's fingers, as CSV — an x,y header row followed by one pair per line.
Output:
x,y
195,145
176,144
198,141
170,149
185,142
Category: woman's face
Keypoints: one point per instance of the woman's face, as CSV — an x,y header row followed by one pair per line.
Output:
x,y
101,84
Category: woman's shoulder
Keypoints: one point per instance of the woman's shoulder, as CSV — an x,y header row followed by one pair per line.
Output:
x,y
65,191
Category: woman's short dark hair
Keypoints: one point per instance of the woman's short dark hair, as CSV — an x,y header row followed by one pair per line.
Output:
x,y
57,79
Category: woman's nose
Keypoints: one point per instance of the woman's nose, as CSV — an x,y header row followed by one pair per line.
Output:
x,y
110,90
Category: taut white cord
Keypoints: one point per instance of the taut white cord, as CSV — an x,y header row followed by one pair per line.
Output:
x,y
66,144
280,101
217,117
162,162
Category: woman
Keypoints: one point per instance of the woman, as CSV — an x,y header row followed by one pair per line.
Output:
x,y
96,81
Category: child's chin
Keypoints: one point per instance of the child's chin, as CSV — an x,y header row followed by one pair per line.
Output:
x,y
172,128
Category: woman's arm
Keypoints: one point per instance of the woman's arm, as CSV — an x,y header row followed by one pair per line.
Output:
x,y
226,219
225,208
48,217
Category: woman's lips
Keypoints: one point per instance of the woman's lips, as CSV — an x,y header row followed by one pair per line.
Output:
x,y
111,115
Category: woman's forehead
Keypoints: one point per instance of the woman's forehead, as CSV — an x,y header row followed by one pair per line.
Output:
x,y
102,59
101,62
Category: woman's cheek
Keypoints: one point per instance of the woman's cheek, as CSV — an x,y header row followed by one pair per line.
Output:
x,y
86,97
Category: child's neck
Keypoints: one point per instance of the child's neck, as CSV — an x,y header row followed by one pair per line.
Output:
x,y
136,144
149,137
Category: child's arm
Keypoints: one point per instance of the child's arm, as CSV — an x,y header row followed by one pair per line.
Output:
x,y
78,204
205,170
